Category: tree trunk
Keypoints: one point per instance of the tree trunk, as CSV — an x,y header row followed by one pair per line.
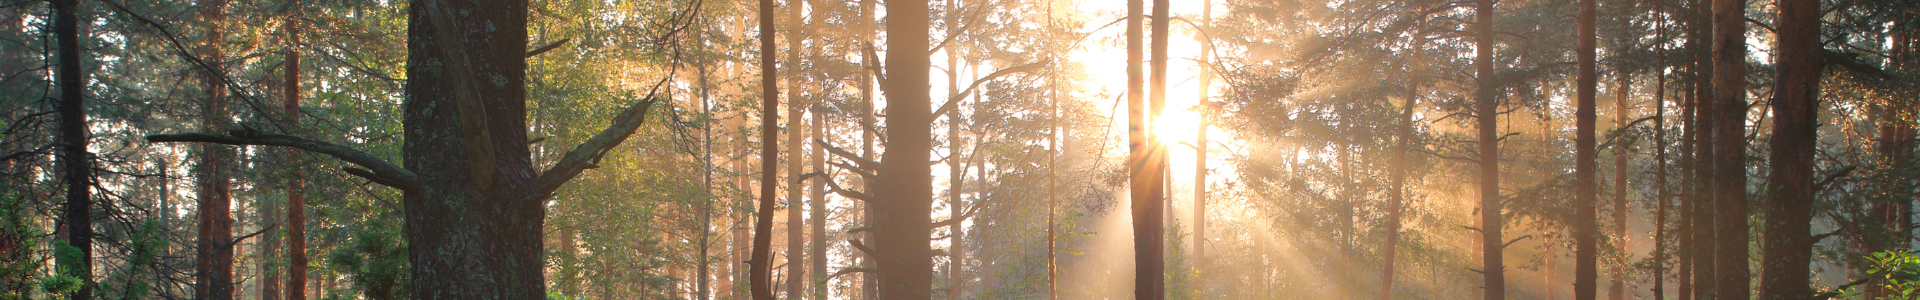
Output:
x,y
702,274
1789,246
1730,149
956,169
296,195
1397,194
1149,157
1586,229
1486,111
796,224
1663,203
818,210
1200,262
1617,286
760,272
75,162
902,220
1700,30
215,267
466,137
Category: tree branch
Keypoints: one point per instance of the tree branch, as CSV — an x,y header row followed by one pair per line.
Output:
x,y
955,98
587,154
378,170
865,164
549,47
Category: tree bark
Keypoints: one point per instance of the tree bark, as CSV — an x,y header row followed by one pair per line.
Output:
x,y
1788,247
296,194
903,220
1486,111
818,211
215,242
1730,149
1663,203
760,272
1586,229
1205,79
796,224
75,162
1700,31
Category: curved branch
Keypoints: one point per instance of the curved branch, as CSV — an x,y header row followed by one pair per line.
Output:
x,y
378,170
587,154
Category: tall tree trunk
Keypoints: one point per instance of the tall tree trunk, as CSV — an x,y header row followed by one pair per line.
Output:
x,y
296,194
796,224
75,162
1397,194
1662,202
1486,111
1700,31
702,274
1205,75
1730,149
1145,157
760,272
818,210
1617,286
1586,229
903,222
869,281
215,267
1789,246
956,169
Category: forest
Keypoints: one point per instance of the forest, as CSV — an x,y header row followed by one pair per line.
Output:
x,y
959,149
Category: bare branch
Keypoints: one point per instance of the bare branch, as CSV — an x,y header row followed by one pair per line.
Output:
x,y
865,164
955,98
381,171
549,47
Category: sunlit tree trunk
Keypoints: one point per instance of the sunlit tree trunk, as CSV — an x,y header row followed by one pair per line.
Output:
x,y
869,283
1486,111
1397,194
818,210
215,267
956,168
1730,149
1586,229
1145,162
1789,246
75,162
1616,286
296,218
1205,79
903,221
759,267
796,224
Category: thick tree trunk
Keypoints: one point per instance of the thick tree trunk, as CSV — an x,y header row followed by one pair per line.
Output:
x,y
1700,31
1788,246
760,266
75,162
1616,285
1730,149
903,222
1486,111
1585,225
215,243
466,134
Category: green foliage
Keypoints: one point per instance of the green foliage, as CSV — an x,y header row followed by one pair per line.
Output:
x,y
1898,272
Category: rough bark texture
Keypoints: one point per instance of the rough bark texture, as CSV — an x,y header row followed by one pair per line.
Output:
x,y
1663,203
466,138
1730,149
1700,30
1586,229
1486,111
1788,246
760,266
214,265
75,163
903,221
